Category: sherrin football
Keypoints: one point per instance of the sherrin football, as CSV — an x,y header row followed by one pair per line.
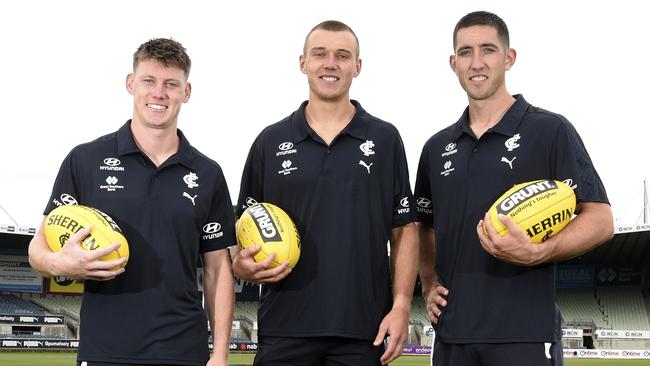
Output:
x,y
540,208
65,221
270,227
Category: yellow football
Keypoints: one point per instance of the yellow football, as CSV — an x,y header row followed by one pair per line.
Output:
x,y
65,221
270,227
541,208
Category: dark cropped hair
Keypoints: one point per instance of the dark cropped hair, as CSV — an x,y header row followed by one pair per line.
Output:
x,y
484,18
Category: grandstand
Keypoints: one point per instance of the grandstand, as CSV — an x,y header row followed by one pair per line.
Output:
x,y
602,295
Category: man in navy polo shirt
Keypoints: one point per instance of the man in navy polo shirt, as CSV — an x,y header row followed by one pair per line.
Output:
x,y
341,174
491,298
173,206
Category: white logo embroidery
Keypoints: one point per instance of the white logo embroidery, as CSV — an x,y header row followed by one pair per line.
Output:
x,y
250,201
424,202
447,168
191,198
212,230
450,149
190,179
404,202
211,227
68,199
361,162
569,182
111,184
366,148
509,162
287,168
286,148
511,143
112,164
112,161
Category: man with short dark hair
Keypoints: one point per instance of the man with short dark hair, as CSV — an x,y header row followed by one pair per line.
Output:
x,y
492,298
173,206
341,174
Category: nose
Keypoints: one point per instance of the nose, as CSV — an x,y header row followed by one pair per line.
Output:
x,y
477,60
330,62
159,90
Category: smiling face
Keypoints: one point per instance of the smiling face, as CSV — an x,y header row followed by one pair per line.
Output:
x,y
330,62
158,93
480,61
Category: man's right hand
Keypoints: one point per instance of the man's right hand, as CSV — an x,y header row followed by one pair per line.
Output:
x,y
245,267
435,299
75,262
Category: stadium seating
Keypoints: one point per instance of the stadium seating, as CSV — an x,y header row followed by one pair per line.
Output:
x,y
579,306
13,305
625,307
59,304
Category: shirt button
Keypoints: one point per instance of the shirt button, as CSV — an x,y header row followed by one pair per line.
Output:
x,y
328,151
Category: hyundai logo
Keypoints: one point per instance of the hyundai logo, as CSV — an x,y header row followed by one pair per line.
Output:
x,y
211,227
404,202
250,201
285,146
450,146
424,202
112,161
68,199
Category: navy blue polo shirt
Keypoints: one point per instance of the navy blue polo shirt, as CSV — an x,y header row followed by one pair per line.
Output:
x,y
152,313
458,179
345,199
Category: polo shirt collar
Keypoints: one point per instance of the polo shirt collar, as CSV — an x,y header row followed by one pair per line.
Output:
x,y
357,128
126,145
507,126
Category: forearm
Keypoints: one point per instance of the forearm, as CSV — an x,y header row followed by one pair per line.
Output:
x,y
39,255
592,226
404,259
220,299
427,257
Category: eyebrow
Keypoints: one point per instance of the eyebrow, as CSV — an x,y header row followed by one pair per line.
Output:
x,y
482,45
338,50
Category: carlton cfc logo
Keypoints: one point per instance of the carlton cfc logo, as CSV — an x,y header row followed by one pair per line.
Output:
x,y
366,148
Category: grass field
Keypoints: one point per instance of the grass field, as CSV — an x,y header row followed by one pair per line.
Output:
x,y
68,359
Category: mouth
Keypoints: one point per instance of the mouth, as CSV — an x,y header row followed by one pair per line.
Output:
x,y
478,78
158,107
329,78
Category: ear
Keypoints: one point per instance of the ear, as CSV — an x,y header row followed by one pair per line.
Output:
x,y
301,62
130,80
188,92
452,63
511,57
357,70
